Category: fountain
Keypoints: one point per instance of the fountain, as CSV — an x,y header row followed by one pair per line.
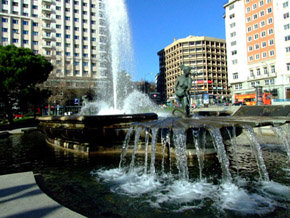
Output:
x,y
179,164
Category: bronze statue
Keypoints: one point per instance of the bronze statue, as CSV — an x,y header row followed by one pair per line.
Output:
x,y
182,88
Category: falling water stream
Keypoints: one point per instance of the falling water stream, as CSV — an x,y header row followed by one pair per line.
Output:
x,y
174,184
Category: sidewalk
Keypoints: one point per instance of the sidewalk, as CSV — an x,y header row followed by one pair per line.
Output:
x,y
20,196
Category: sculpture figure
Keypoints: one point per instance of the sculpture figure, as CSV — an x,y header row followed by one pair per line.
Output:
x,y
182,88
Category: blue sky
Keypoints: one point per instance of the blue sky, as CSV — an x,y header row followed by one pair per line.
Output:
x,y
155,24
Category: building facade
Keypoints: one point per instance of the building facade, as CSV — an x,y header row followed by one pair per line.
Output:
x,y
258,46
69,33
208,57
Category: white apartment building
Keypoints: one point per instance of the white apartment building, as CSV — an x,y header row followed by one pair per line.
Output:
x,y
258,46
70,33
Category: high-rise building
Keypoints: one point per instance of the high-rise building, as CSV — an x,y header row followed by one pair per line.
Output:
x,y
207,55
258,46
69,33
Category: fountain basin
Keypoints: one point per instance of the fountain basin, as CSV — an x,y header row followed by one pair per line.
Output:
x,y
89,134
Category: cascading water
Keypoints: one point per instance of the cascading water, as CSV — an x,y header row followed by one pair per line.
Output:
x,y
176,186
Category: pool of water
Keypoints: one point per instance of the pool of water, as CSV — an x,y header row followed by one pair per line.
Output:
x,y
96,187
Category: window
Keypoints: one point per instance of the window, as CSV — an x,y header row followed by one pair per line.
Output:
x,y
272,53
57,35
76,19
58,26
255,16
263,34
234,52
35,42
264,44
273,69
4,39
269,1
232,16
266,82
235,61
15,31
76,54
270,20
232,43
251,58
233,34
257,56
287,38
5,30
249,38
264,54
67,18
248,19
286,15
263,23
232,6
58,44
85,63
76,37
256,26
249,29
67,36
248,9
77,29
25,22
4,20
85,55
57,8
250,48
235,75
67,53
262,13
25,32
265,70
257,46
270,31
35,33
57,16
271,42
15,40
256,36
288,66
58,53
253,84
67,27
287,26
285,4
269,10
76,63
287,49
261,3
254,6
258,72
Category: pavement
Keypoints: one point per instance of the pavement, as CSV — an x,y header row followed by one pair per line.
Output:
x,y
20,196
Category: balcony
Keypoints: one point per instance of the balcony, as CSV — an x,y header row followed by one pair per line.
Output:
x,y
47,37
46,18
47,46
46,28
46,9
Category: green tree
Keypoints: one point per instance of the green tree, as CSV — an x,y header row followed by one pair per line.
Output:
x,y
20,71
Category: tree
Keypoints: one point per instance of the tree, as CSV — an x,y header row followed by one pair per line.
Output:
x,y
20,71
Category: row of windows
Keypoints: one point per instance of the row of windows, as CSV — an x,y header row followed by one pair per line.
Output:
x,y
261,3
261,13
262,35
262,24
263,45
263,55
